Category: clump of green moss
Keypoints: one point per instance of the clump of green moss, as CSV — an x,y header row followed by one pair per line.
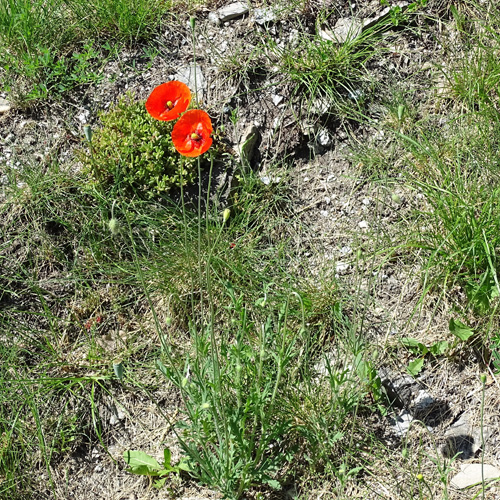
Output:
x,y
134,150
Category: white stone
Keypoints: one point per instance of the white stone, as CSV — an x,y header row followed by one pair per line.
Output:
x,y
363,224
269,180
346,250
277,99
372,21
247,142
320,106
345,30
232,11
187,75
4,105
402,423
471,474
341,267
355,94
423,400
324,139
83,117
214,18
263,15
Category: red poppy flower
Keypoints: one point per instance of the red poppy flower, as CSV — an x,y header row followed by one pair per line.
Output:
x,y
168,101
191,134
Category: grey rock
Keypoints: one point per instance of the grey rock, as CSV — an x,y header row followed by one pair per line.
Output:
x,y
320,106
471,474
270,180
346,250
117,415
4,105
277,99
324,139
264,15
372,21
345,30
83,117
232,11
423,401
308,129
400,389
10,138
214,18
464,439
193,77
342,267
401,423
355,94
247,143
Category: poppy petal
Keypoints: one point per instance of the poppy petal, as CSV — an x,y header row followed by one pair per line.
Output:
x,y
192,123
168,100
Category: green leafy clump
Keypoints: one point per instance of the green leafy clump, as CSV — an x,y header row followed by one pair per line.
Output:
x,y
134,151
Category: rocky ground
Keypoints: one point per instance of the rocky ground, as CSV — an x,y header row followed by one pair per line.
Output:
x,y
337,206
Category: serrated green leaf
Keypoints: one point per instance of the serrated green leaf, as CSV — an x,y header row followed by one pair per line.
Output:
x,y
275,485
183,465
463,332
141,463
409,342
160,483
415,366
143,470
439,348
414,345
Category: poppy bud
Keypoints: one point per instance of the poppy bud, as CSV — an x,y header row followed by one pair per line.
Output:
x,y
192,22
118,369
226,214
87,131
483,378
114,226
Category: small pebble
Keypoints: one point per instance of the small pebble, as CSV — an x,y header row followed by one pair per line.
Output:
x,y
277,99
4,105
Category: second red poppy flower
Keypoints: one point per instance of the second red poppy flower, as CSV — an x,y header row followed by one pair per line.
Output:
x,y
191,134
